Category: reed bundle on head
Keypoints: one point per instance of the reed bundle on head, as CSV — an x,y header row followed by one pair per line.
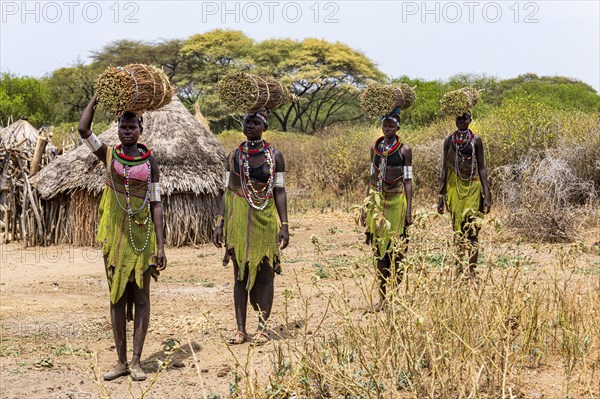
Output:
x,y
459,101
379,99
135,87
245,92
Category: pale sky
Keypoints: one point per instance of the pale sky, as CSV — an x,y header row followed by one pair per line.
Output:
x,y
430,40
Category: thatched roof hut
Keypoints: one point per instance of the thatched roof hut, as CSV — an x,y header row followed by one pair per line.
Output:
x,y
18,131
23,133
192,169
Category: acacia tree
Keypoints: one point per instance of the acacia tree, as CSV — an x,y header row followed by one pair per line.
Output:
x,y
208,57
163,53
324,76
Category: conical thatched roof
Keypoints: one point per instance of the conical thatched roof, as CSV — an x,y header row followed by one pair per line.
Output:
x,y
190,158
15,132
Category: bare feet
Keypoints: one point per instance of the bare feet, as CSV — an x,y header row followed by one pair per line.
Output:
x,y
119,370
238,339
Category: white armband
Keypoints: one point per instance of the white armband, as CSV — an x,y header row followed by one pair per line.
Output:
x,y
372,170
155,192
408,173
227,176
279,180
93,142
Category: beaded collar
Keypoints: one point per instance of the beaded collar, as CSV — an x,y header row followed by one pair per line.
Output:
x,y
124,159
460,137
244,148
379,147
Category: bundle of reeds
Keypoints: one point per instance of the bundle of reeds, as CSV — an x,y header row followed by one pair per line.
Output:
x,y
135,87
245,92
379,99
459,101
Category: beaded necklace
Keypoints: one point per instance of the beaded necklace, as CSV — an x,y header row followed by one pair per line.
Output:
x,y
144,155
384,150
460,141
257,199
129,160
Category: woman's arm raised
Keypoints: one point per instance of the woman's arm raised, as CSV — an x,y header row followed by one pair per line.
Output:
x,y
85,131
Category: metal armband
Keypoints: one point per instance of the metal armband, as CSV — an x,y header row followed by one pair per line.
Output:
x,y
227,176
93,142
155,192
279,180
408,173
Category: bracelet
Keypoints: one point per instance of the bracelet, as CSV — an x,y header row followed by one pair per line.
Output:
x,y
93,142
219,221
284,223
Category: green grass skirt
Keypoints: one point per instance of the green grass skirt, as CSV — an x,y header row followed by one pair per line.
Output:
x,y
466,205
252,234
113,234
394,211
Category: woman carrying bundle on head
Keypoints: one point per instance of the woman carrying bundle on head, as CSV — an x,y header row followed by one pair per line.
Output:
x,y
130,231
247,224
254,197
391,181
464,186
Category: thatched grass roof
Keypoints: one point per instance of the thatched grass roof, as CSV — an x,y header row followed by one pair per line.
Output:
x,y
15,132
190,158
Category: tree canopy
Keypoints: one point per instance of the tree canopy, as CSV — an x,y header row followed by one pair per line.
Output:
x,y
325,77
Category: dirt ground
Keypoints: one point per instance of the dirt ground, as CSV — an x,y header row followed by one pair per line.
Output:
x,y
56,338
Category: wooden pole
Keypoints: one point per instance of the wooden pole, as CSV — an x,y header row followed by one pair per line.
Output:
x,y
28,192
40,147
24,207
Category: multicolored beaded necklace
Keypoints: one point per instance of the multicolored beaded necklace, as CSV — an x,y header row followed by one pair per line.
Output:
x,y
460,141
127,161
257,199
384,151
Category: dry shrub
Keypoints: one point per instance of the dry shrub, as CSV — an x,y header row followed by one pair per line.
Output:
x,y
334,162
543,166
427,163
544,197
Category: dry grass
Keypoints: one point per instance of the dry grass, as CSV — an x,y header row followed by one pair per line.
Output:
x,y
440,336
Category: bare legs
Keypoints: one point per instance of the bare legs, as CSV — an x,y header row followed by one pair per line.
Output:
x,y
141,299
261,295
468,245
384,273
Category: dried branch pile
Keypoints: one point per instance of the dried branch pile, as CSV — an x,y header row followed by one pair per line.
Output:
x,y
378,99
21,211
245,92
135,87
458,102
